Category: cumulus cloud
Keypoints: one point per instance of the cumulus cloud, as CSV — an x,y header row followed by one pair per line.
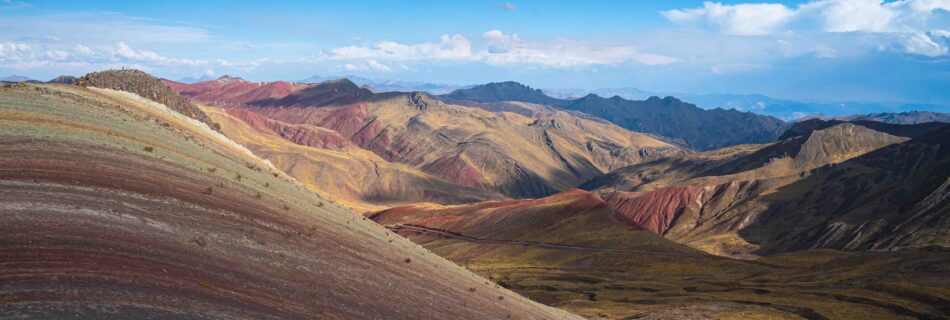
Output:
x,y
740,19
124,52
370,65
22,56
923,44
909,18
454,47
502,49
497,48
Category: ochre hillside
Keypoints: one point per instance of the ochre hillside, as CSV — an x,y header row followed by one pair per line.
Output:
x,y
705,199
501,154
115,206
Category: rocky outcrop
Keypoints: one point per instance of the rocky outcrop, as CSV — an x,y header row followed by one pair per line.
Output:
x,y
148,87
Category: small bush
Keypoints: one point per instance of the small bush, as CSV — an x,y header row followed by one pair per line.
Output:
x,y
201,241
148,149
408,260
208,190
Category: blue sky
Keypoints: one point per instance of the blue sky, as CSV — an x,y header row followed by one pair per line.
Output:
x,y
822,50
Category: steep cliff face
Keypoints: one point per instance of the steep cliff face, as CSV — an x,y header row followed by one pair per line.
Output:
x,y
146,86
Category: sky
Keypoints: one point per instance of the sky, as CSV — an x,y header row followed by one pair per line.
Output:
x,y
812,50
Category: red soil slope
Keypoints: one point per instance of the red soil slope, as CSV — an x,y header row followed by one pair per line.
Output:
x,y
112,206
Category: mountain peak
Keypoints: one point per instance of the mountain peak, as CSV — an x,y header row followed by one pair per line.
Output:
x,y
230,78
146,86
504,91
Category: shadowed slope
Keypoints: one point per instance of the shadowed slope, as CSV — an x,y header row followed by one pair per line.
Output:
x,y
567,250
897,196
703,200
113,206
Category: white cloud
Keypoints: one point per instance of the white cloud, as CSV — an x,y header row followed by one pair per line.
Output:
x,y
455,47
246,65
58,55
922,44
83,50
741,19
908,18
853,15
123,51
369,65
502,49
498,49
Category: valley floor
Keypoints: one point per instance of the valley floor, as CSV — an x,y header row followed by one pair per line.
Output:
x,y
816,284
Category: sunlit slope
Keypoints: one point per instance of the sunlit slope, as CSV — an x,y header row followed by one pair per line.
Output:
x,y
567,250
113,206
359,178
498,152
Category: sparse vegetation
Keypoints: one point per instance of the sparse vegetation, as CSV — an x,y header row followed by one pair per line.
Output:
x,y
201,241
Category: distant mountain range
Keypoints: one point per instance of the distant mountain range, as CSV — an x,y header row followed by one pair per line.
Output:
x,y
14,78
194,79
787,110
669,117
909,117
390,85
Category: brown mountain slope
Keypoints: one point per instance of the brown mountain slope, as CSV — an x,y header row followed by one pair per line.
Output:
x,y
327,162
233,91
703,200
114,206
568,251
503,153
897,196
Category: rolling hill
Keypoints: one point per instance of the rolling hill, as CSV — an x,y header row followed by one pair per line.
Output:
x,y
706,200
116,206
496,154
568,250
